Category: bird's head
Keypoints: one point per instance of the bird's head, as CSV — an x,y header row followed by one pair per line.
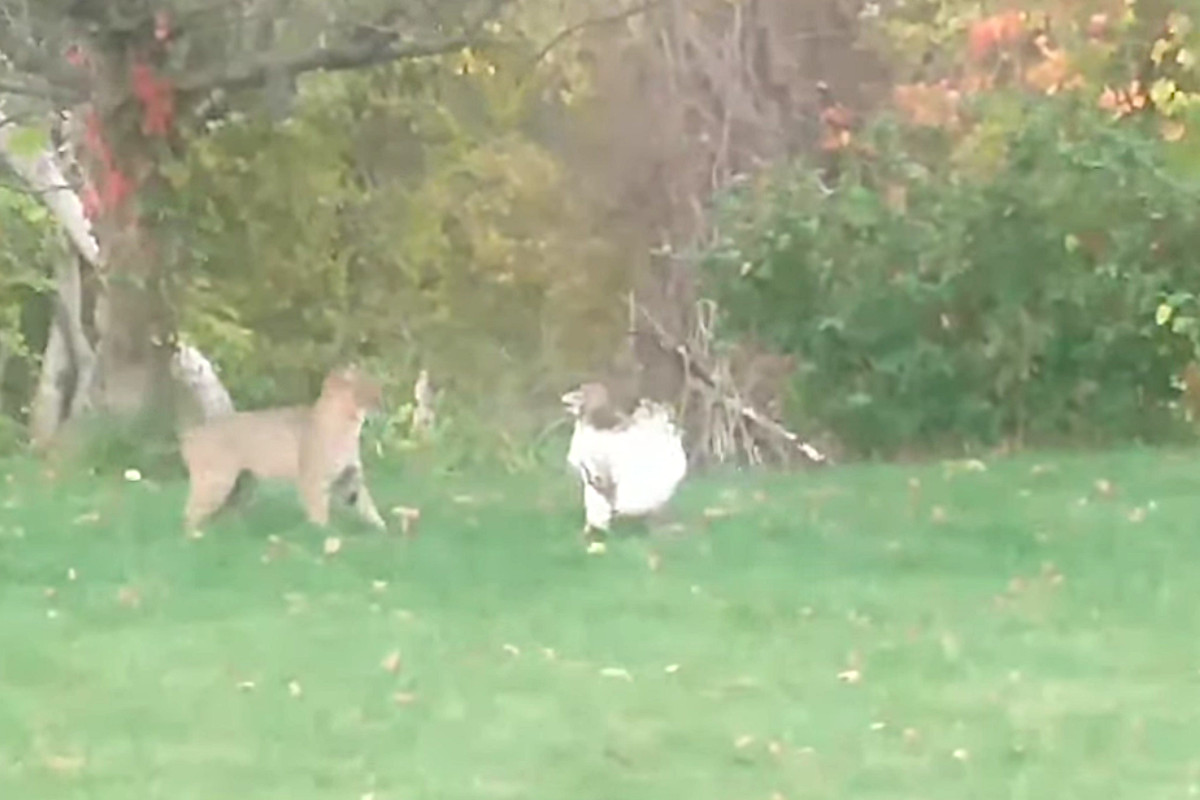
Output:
x,y
590,402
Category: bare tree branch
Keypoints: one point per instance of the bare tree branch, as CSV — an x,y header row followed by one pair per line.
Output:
x,y
352,56
384,46
34,87
591,22
24,188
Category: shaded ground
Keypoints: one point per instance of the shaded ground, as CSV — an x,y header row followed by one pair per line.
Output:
x,y
1016,632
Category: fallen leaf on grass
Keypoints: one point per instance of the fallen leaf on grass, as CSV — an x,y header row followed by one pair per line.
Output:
x,y
911,736
64,765
294,688
671,669
404,698
409,517
938,515
597,549
878,726
1137,515
247,686
512,649
391,662
774,748
1043,469
277,548
129,597
50,592
961,754
716,512
654,561
952,468
743,741
89,516
296,602
1104,487
72,574
132,475
617,672
379,586
850,676
333,545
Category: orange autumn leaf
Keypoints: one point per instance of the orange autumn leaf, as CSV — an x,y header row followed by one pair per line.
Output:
x,y
1052,73
1123,102
995,32
928,105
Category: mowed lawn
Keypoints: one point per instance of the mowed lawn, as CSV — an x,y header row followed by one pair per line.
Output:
x,y
1028,630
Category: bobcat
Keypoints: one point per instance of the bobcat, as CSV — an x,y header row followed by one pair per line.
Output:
x,y
316,447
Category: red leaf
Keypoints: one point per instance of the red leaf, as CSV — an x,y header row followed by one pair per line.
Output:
x,y
158,99
91,201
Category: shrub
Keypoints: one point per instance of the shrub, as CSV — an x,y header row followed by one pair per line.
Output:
x,y
949,297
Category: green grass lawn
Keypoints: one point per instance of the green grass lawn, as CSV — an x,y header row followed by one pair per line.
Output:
x,y
1015,632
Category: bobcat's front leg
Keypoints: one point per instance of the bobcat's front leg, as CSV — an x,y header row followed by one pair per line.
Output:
x,y
354,489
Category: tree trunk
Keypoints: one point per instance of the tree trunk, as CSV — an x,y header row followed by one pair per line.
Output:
x,y
71,382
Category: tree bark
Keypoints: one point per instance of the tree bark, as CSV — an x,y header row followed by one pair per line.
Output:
x,y
68,384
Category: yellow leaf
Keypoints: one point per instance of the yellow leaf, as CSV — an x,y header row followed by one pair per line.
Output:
x,y
1163,315
391,662
1159,50
1162,91
332,545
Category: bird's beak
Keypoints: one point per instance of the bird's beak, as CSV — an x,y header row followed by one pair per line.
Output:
x,y
573,400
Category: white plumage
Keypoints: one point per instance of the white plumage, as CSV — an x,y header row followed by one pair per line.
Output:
x,y
629,466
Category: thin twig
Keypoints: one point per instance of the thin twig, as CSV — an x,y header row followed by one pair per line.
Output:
x,y
591,22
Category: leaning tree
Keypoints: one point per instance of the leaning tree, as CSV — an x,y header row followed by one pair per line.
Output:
x,y
99,97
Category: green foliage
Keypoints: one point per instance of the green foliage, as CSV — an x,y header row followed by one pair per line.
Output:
x,y
30,246
936,304
403,217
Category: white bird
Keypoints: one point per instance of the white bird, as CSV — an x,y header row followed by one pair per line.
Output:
x,y
629,466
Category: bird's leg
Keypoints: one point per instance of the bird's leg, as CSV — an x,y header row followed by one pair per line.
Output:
x,y
598,514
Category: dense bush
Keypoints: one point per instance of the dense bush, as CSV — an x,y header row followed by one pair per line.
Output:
x,y
945,295
400,218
